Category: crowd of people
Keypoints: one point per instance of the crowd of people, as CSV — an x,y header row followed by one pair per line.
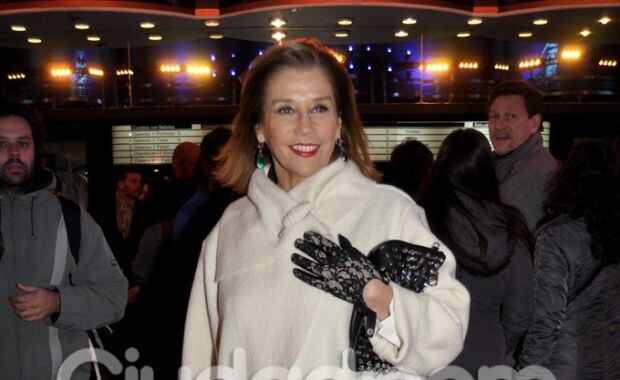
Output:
x,y
266,246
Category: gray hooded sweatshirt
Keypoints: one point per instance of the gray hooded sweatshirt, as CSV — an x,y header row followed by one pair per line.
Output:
x,y
36,252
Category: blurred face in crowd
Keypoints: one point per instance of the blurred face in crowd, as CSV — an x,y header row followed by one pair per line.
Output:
x,y
300,124
131,186
509,123
16,153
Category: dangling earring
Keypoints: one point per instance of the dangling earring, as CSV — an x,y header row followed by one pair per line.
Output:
x,y
343,151
260,160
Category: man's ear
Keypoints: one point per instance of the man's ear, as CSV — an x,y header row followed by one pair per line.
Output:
x,y
535,121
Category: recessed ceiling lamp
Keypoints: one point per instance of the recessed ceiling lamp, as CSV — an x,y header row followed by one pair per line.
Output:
x,y
474,21
463,35
409,21
93,38
81,26
341,33
525,34
277,22
345,21
401,34
34,40
540,21
278,35
212,23
605,20
147,25
216,36
155,37
18,28
585,32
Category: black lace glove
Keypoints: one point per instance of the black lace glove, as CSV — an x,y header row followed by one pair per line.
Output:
x,y
341,270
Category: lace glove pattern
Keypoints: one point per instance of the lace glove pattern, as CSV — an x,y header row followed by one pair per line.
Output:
x,y
341,270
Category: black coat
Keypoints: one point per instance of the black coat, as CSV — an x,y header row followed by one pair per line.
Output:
x,y
124,249
501,290
575,332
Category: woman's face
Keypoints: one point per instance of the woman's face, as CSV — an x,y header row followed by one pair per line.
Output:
x,y
300,124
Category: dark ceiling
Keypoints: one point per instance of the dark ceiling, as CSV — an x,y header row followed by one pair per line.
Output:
x,y
118,26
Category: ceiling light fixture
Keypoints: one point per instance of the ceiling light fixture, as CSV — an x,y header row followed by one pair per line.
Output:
x,y
155,37
147,25
212,23
474,21
345,21
277,22
463,35
540,21
95,71
401,34
525,34
605,20
409,21
93,38
278,35
14,76
81,26
216,36
18,28
341,33
502,67
585,32
34,40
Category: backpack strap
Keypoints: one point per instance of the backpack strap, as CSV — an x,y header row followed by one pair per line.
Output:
x,y
71,213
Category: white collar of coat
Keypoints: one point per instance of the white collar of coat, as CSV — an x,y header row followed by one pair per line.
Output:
x,y
275,218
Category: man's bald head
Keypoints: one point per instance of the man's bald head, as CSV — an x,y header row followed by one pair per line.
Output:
x,y
184,160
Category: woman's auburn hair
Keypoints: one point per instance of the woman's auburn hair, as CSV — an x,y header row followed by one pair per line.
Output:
x,y
238,155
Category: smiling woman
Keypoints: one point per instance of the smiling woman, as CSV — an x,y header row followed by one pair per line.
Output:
x,y
251,297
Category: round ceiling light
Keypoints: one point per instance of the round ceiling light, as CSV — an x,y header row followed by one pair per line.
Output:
x,y
540,21
18,28
278,36
155,37
216,36
93,38
81,26
525,34
401,34
345,21
341,33
147,25
409,21
212,23
277,22
605,20
474,21
463,35
585,33
34,40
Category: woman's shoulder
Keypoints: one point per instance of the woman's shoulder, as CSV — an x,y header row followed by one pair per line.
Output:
x,y
563,227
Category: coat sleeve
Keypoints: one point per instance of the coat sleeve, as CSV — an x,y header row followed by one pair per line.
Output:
x,y
432,324
99,292
518,304
550,300
201,323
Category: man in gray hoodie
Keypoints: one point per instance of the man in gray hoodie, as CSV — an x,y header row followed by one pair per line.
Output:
x,y
48,302
523,165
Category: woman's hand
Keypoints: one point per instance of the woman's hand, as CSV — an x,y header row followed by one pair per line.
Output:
x,y
340,270
378,296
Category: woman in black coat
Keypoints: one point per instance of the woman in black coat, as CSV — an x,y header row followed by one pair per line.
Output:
x,y
575,332
490,241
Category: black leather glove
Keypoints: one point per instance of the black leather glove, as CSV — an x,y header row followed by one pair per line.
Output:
x,y
341,270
